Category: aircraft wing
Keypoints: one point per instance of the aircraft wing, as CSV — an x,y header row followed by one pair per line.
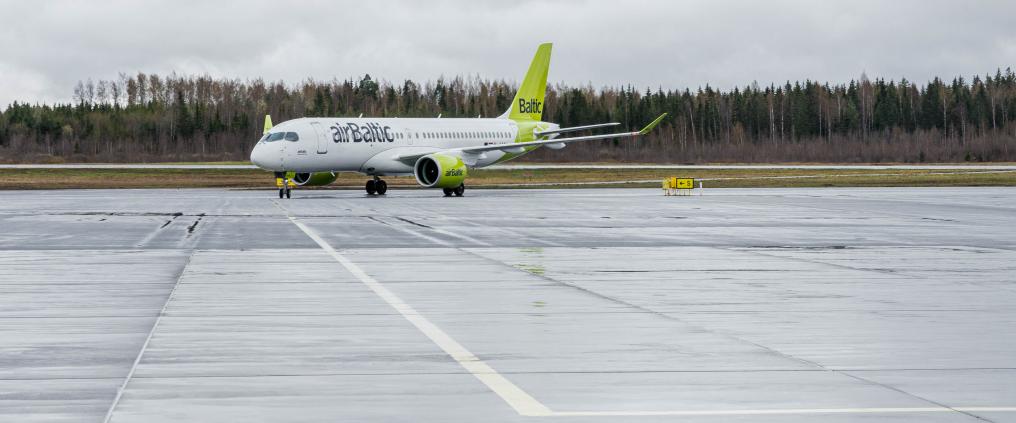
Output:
x,y
470,155
558,142
410,157
575,128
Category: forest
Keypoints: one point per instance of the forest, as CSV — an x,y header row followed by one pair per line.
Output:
x,y
159,118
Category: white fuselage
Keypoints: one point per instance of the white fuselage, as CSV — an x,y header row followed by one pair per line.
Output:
x,y
373,145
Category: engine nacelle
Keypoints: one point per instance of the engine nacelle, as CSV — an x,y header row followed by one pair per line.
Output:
x,y
440,171
313,179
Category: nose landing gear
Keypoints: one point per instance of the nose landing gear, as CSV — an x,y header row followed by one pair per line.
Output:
x,y
377,186
282,180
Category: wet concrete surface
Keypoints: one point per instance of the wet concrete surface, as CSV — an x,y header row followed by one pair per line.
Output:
x,y
895,304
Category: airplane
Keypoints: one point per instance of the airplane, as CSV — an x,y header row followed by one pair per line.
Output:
x,y
438,152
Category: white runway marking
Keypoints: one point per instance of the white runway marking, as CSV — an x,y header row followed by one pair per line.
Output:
x,y
522,402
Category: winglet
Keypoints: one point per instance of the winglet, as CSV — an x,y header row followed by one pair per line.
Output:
x,y
652,125
268,124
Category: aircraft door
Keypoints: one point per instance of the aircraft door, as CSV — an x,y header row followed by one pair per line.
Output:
x,y
322,142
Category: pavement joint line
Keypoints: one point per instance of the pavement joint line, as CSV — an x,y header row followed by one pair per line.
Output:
x,y
446,233
523,403
530,372
783,411
411,232
460,236
148,340
757,251
910,394
510,233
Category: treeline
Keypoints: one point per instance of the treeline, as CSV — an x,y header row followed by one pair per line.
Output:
x,y
182,118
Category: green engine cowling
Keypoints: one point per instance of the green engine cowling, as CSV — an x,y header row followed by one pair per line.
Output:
x,y
312,179
440,171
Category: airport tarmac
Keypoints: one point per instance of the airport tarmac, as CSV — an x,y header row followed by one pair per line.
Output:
x,y
769,305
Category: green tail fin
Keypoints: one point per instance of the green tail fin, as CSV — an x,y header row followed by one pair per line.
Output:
x,y
528,102
268,124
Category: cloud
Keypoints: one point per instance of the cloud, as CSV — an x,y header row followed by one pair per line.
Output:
x,y
49,45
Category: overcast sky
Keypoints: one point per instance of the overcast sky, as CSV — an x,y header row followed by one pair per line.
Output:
x,y
47,46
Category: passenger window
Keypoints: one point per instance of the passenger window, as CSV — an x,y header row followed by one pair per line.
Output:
x,y
292,136
276,136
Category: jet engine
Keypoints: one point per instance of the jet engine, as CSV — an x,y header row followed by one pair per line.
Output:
x,y
313,179
440,171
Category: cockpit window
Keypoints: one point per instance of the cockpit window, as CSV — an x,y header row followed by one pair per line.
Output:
x,y
275,136
292,136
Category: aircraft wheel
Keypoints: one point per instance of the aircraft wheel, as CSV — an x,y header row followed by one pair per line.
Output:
x,y
371,187
460,190
447,192
282,192
289,192
381,186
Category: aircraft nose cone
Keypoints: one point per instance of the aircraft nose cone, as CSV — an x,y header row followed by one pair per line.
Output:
x,y
260,157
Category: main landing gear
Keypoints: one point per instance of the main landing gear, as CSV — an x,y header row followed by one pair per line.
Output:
x,y
377,186
461,189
